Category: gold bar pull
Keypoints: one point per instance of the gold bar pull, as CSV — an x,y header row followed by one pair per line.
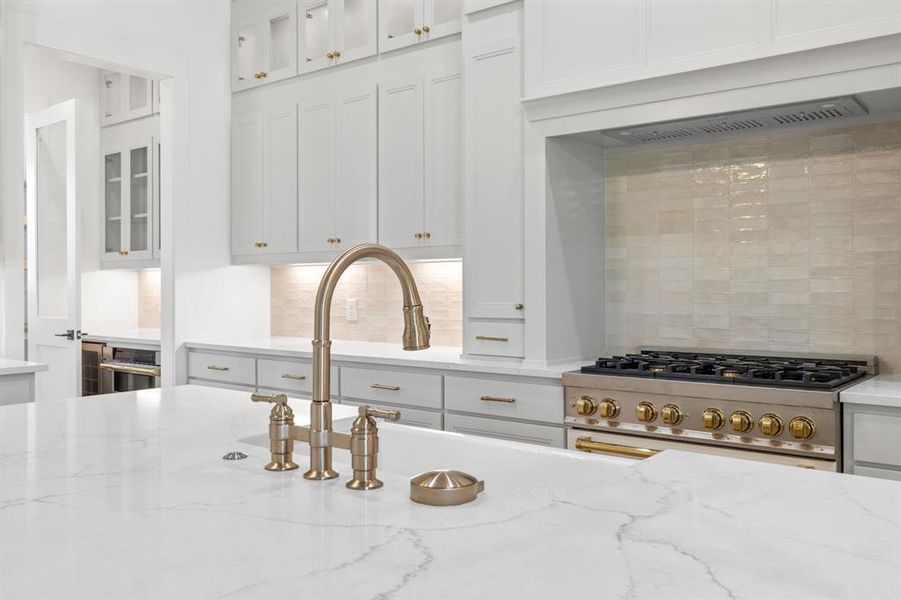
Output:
x,y
589,445
497,399
215,368
488,338
292,376
380,386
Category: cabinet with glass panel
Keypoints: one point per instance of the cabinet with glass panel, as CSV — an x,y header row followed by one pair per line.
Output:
x,y
334,32
264,45
406,22
129,205
124,97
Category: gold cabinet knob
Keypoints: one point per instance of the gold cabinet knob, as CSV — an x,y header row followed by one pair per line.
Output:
x,y
801,428
330,55
519,306
337,240
770,424
418,236
645,412
263,74
671,414
426,236
741,421
330,240
337,53
256,75
426,28
417,31
586,405
713,419
608,408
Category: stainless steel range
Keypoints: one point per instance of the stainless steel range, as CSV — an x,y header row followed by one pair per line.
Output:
x,y
760,406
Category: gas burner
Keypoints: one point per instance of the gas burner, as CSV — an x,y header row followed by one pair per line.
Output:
x,y
742,369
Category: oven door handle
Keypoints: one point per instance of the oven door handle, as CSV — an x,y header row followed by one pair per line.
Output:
x,y
586,444
149,371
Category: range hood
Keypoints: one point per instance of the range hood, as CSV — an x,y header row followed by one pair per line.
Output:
x,y
699,129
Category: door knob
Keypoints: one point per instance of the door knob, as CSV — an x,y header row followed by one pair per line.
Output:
x,y
69,335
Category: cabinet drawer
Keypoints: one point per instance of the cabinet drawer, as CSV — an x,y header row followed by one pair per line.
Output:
x,y
878,473
496,338
877,438
408,416
393,387
224,386
290,375
543,435
15,389
222,367
530,401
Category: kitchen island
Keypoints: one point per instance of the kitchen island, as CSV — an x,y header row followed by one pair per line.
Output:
x,y
17,380
127,496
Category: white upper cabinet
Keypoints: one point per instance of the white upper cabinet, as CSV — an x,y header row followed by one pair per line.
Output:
x,y
406,22
264,182
128,203
334,32
337,170
575,45
264,45
420,160
124,97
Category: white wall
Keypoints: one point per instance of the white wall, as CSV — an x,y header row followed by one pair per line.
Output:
x,y
202,296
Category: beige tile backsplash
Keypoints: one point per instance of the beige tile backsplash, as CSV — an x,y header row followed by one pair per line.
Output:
x,y
149,299
379,312
781,244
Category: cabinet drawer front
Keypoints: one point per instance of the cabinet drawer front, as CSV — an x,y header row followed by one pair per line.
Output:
x,y
408,416
222,367
496,338
224,386
290,375
393,387
543,435
529,401
878,473
877,439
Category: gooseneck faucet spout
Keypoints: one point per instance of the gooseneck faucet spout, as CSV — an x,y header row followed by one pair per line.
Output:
x,y
415,337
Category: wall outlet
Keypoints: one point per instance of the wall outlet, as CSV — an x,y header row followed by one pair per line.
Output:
x,y
352,310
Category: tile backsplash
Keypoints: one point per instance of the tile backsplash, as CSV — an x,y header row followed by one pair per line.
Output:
x,y
149,299
778,243
379,303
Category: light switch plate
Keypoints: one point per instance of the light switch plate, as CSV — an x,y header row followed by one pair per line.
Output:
x,y
352,310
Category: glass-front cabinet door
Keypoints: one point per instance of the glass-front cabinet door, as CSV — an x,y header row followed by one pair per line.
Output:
x,y
333,32
317,44
443,17
247,53
400,23
264,46
356,24
128,211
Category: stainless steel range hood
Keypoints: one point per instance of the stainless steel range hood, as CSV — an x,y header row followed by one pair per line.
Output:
x,y
699,129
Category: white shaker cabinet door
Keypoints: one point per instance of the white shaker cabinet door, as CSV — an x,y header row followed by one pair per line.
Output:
x,y
317,175
280,181
357,167
493,249
400,163
247,184
443,160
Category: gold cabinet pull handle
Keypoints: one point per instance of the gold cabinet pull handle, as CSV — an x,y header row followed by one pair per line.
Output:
x,y
150,371
587,444
489,338
381,386
216,368
295,377
498,399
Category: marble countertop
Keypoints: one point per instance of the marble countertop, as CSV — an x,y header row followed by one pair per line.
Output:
x,y
125,336
126,496
881,390
12,366
380,353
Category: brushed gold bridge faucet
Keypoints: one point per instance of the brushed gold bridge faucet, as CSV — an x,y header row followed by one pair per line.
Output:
x,y
363,439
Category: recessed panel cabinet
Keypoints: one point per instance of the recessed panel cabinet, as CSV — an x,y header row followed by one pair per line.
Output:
x,y
334,32
264,46
124,97
406,22
337,170
264,182
420,160
128,203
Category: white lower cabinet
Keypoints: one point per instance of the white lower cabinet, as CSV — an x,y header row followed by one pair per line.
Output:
x,y
222,368
16,389
391,386
505,399
871,443
528,433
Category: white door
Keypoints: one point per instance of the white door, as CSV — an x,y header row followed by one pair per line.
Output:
x,y
443,165
280,182
54,321
247,184
316,216
357,170
400,163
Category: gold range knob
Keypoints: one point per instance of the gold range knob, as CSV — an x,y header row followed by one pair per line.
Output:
x,y
770,424
801,428
586,405
671,414
713,419
645,412
608,408
741,421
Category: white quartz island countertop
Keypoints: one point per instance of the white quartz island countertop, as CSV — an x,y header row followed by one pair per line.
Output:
x,y
12,366
127,496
